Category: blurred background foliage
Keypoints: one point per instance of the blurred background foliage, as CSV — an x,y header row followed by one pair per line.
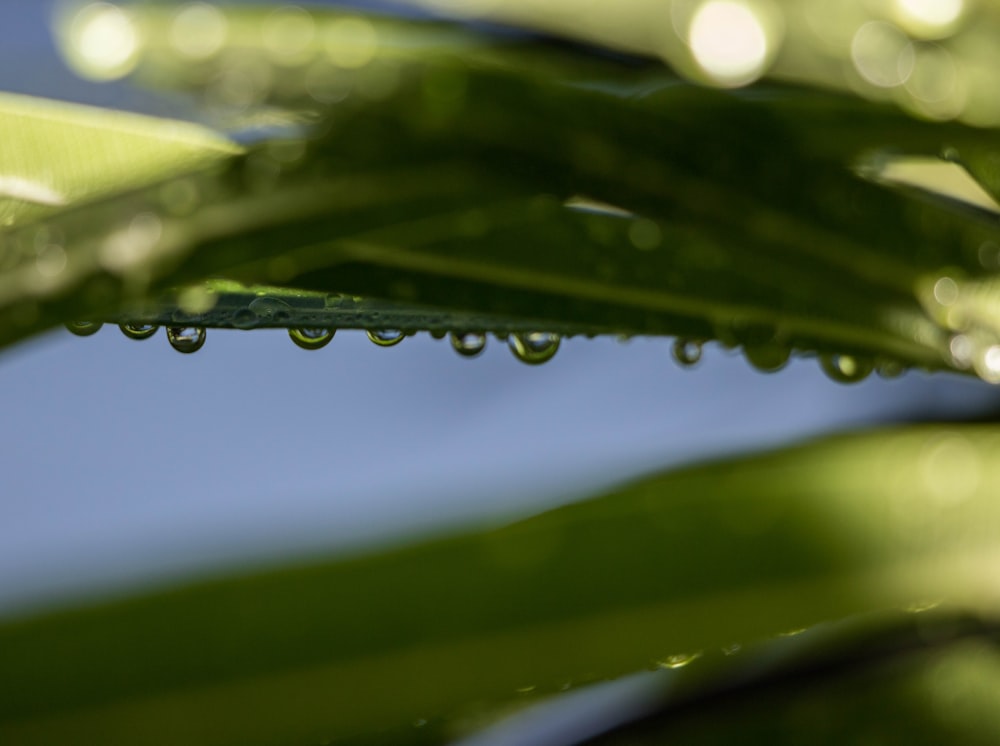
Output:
x,y
785,179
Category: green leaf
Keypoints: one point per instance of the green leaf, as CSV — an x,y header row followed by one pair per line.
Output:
x,y
57,154
703,557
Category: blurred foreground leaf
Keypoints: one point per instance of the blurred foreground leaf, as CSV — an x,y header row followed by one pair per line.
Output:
x,y
704,557
57,155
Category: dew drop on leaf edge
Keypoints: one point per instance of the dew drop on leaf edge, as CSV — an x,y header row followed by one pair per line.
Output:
x,y
846,368
138,331
84,328
186,339
534,348
889,368
386,337
311,339
687,352
468,344
768,357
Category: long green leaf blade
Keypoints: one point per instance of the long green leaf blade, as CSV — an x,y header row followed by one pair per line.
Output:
x,y
707,556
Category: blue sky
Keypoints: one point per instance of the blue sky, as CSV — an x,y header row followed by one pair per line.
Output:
x,y
124,461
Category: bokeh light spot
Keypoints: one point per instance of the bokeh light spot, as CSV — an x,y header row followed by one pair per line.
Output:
x,y
729,42
350,42
103,42
882,54
929,16
198,31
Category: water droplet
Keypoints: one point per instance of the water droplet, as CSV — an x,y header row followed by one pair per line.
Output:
x,y
386,337
186,339
767,357
677,661
534,348
889,368
732,649
687,352
949,153
245,319
468,344
845,368
138,331
762,347
311,339
271,309
84,328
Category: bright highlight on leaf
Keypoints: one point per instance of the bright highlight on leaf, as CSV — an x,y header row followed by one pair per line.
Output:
x,y
16,187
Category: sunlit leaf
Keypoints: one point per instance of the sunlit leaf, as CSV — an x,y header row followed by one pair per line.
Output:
x,y
57,155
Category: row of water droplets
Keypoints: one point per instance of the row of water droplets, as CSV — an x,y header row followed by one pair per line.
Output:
x,y
770,357
533,348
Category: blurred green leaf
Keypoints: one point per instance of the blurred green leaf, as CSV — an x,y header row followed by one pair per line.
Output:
x,y
58,155
723,553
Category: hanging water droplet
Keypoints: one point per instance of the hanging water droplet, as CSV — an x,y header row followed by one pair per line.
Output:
x,y
889,368
677,661
311,339
439,334
186,339
767,358
138,331
534,348
84,328
468,344
386,337
845,368
762,346
687,352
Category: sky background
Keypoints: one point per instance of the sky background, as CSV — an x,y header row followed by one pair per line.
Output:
x,y
125,462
